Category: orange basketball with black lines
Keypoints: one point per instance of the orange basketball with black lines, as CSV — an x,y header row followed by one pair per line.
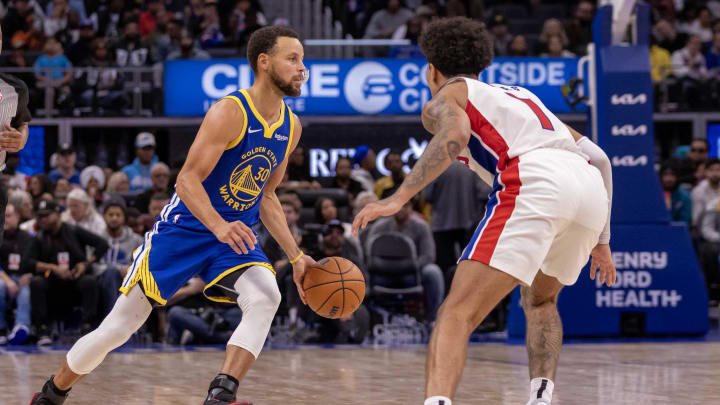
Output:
x,y
334,287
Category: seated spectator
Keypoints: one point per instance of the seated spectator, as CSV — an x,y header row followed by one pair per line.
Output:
x,y
148,18
194,320
133,221
23,204
686,166
706,191
81,212
677,199
384,22
39,184
343,180
326,211
21,19
188,50
158,201
102,87
160,178
92,180
660,62
62,189
702,25
169,42
411,30
712,58
57,17
138,172
65,169
552,27
118,183
78,52
62,271
555,48
667,36
500,35
52,69
689,62
419,231
112,267
211,35
298,172
364,171
710,246
15,275
518,47
130,49
394,164
579,28
244,20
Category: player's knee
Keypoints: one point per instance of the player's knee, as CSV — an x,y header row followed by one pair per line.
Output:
x,y
262,302
39,283
531,299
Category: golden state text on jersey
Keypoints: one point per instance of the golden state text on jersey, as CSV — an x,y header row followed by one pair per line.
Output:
x,y
235,185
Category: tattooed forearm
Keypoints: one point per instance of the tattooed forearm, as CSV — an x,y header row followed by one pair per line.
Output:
x,y
439,118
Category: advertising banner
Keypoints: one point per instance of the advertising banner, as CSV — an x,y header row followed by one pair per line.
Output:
x,y
356,86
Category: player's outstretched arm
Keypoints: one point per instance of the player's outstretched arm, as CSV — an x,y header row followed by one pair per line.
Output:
x,y
446,120
601,254
273,217
218,130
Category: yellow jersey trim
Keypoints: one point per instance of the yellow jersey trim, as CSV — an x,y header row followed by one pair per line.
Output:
x,y
292,132
237,140
268,130
144,276
228,271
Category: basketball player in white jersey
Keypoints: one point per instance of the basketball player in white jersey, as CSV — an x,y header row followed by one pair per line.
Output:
x,y
547,213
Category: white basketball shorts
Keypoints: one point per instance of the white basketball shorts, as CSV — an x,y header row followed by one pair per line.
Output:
x,y
546,212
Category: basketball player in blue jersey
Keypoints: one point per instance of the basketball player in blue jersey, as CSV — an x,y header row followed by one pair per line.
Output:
x,y
227,184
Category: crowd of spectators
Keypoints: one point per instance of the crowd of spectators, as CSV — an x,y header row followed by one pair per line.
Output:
x,y
70,234
691,187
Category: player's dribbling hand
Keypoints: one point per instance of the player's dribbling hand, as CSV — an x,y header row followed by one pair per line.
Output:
x,y
236,234
299,269
10,139
383,208
602,261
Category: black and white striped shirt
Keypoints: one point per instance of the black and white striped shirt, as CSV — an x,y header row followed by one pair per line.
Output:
x,y
13,105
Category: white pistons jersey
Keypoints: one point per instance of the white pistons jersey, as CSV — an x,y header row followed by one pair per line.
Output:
x,y
506,122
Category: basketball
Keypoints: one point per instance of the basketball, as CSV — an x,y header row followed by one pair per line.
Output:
x,y
334,287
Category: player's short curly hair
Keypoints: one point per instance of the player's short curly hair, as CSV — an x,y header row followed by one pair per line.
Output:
x,y
263,41
457,46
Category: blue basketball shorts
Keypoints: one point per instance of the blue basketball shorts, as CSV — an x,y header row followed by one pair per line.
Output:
x,y
171,254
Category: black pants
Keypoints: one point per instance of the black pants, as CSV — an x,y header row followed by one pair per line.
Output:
x,y
53,299
711,267
446,254
3,205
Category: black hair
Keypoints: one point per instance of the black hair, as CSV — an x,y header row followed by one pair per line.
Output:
x,y
318,209
264,40
712,161
457,46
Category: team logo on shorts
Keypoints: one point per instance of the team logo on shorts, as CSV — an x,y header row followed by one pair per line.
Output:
x,y
248,179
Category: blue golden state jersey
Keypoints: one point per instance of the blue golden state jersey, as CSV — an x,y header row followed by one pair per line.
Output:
x,y
235,185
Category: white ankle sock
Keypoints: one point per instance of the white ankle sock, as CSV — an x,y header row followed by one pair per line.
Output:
x,y
541,388
438,400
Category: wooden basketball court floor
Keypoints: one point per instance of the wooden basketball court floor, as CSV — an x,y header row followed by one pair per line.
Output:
x,y
495,373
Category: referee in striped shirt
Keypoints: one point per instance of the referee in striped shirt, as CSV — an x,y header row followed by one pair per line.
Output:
x,y
14,119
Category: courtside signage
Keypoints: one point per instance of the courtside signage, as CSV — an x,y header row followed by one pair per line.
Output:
x,y
357,86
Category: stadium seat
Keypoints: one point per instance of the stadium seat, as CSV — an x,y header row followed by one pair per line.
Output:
x,y
392,256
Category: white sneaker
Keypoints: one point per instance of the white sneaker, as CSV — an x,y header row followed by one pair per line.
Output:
x,y
3,340
44,341
186,337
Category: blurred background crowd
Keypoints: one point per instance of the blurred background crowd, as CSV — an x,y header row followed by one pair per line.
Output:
x,y
70,232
